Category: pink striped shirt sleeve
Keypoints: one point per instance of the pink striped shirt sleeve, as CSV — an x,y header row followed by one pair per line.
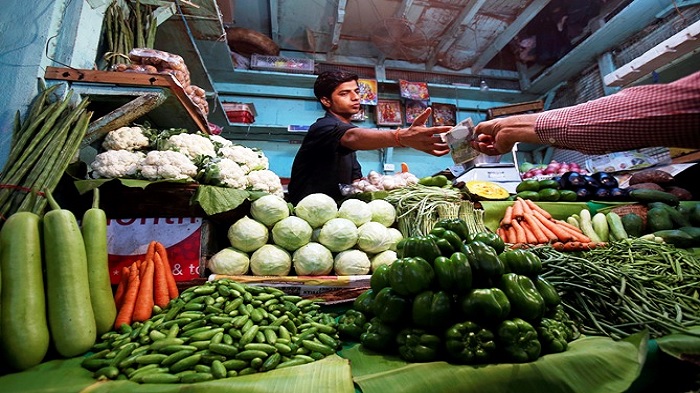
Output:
x,y
642,116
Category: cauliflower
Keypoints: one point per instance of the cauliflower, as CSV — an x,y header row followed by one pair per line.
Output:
x,y
223,172
220,141
167,164
249,159
125,138
191,145
267,181
116,163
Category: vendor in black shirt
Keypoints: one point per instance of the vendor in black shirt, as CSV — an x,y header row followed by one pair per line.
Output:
x,y
326,159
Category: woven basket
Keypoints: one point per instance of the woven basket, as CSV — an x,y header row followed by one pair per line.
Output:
x,y
635,208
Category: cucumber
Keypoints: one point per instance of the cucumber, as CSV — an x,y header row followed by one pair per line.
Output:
x,y
25,332
648,196
600,226
658,219
633,224
676,237
71,319
94,231
587,226
694,232
617,230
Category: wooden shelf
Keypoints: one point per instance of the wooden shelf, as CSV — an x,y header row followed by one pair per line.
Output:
x,y
168,107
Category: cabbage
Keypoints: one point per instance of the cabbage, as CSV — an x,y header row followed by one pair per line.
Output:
x,y
229,261
356,211
314,234
373,238
291,233
351,263
270,260
338,234
269,209
383,212
247,234
383,258
312,259
395,237
316,209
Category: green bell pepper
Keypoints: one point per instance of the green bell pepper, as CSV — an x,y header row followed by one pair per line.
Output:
x,y
456,225
380,278
448,241
469,343
559,314
363,303
432,309
485,264
548,291
522,262
453,274
352,324
418,246
417,345
410,275
525,301
518,341
489,238
552,335
485,305
379,336
389,306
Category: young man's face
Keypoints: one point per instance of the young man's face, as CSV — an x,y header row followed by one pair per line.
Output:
x,y
345,100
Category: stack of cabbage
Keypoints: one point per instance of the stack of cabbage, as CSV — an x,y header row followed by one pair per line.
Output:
x,y
175,154
314,238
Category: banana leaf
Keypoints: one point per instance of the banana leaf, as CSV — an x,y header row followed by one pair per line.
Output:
x,y
331,374
590,365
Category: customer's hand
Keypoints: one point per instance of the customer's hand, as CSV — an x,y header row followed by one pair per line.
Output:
x,y
425,139
498,136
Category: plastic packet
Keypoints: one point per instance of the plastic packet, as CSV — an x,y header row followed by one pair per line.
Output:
x,y
620,161
458,139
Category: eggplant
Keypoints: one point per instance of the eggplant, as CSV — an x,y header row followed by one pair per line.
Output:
x,y
572,180
619,194
605,179
602,194
583,194
590,183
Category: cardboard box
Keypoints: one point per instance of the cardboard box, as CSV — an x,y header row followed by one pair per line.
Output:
x,y
188,240
301,285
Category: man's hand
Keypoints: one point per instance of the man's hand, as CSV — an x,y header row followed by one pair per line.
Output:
x,y
425,139
498,136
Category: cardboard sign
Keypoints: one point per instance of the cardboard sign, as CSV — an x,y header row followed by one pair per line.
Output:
x,y
128,239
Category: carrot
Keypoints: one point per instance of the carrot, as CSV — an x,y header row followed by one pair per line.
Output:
x,y
501,232
517,209
533,206
576,233
143,308
510,235
121,288
520,236
161,297
172,285
127,309
560,232
536,229
507,216
551,236
529,235
150,251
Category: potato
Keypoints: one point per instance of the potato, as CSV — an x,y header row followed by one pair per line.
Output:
x,y
681,193
646,186
652,176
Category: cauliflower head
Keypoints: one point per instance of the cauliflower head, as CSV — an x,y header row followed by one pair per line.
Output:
x,y
223,172
249,159
267,181
219,141
167,164
191,145
116,163
125,138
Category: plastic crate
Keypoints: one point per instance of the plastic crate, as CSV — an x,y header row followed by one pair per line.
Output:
x,y
282,64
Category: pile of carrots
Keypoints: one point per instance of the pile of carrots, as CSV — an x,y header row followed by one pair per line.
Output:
x,y
525,224
145,283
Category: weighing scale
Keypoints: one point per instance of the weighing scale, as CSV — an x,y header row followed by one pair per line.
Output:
x,y
504,174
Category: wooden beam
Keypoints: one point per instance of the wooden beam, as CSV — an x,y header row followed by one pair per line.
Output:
x,y
454,31
508,34
628,22
338,25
